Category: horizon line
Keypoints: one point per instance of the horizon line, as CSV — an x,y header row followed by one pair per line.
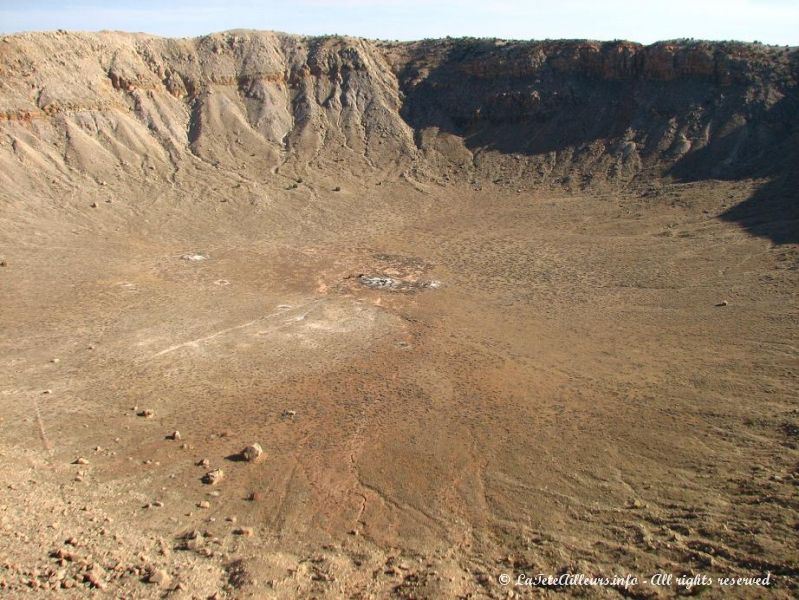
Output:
x,y
396,40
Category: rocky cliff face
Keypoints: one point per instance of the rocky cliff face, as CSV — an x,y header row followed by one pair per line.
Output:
x,y
518,113
101,102
613,110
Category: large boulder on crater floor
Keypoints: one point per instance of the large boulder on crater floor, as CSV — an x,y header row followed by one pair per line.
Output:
x,y
252,453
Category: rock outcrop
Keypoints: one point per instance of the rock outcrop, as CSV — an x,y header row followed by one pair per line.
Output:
x,y
571,113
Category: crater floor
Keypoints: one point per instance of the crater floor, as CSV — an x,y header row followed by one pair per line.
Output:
x,y
597,384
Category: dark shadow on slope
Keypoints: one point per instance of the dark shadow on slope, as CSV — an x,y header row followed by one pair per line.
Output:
x,y
500,99
771,212
765,147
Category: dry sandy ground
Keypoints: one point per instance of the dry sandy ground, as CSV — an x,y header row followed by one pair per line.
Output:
x,y
570,399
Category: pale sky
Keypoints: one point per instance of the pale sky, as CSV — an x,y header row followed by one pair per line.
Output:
x,y
769,21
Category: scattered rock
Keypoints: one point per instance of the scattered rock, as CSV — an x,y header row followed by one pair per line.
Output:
x,y
147,413
94,205
244,531
62,555
95,578
213,477
203,504
175,435
203,462
722,303
159,577
252,453
289,414
255,497
80,461
194,257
